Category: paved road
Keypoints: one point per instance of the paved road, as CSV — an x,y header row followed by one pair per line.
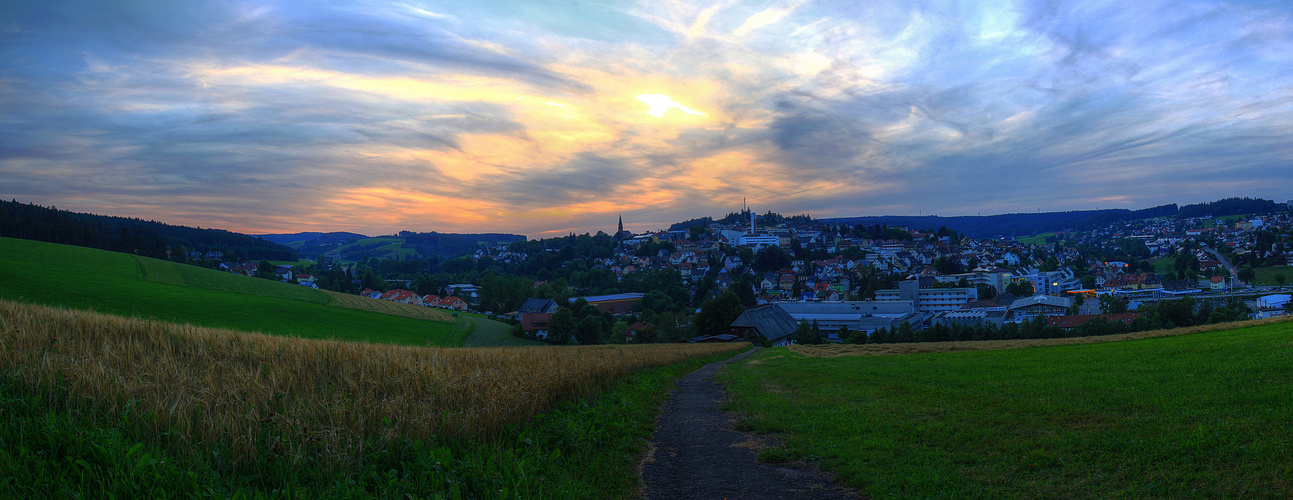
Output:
x,y
695,453
1229,267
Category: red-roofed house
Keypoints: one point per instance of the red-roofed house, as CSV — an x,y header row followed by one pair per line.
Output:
x,y
536,324
453,303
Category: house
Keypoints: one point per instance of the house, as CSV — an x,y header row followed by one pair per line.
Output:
x,y
536,324
407,297
768,322
545,306
370,293
453,303
631,333
431,300
1217,283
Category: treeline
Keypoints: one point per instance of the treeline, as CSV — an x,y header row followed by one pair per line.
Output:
x,y
120,234
1023,224
447,244
1231,206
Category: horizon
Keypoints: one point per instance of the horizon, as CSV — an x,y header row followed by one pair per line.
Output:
x,y
374,117
643,231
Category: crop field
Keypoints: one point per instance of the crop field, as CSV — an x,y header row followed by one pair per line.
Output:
x,y
269,412
1187,414
127,285
388,307
219,385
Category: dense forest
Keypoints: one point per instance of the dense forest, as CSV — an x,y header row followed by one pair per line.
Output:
x,y
1230,206
121,234
1017,225
450,244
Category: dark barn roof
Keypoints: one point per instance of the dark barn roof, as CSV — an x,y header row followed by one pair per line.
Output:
x,y
770,321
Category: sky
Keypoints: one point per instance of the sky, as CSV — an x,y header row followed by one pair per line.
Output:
x,y
545,118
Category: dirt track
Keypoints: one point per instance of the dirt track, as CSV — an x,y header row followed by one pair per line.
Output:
x,y
695,453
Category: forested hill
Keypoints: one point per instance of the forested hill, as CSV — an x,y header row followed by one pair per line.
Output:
x,y
333,237
1012,225
121,234
449,244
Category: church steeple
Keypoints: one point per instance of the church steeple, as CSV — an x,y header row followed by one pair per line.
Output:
x,y
621,224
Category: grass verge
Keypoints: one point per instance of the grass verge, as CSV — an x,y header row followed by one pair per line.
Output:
x,y
1202,415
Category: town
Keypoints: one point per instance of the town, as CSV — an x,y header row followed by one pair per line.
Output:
x,y
850,284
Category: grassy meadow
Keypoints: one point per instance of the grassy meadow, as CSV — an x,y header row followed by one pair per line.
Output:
x,y
1266,275
102,404
129,285
1200,415
1037,239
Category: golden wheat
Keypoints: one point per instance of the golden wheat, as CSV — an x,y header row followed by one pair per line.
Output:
x,y
321,398
835,350
388,307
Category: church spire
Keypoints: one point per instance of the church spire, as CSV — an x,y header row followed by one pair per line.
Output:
x,y
621,224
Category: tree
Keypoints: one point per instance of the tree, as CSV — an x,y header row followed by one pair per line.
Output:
x,y
1110,304
1178,312
1247,274
592,330
1022,288
717,314
562,326
804,334
1279,279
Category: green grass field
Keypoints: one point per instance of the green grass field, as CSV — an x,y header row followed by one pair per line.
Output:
x,y
123,284
1165,265
1206,415
490,333
1266,275
1038,239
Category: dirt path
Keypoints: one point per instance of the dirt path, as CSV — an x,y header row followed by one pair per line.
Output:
x,y
694,452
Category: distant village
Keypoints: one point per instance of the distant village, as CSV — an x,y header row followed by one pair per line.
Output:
x,y
791,271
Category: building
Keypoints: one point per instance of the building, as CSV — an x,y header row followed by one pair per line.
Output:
x,y
618,304
768,322
867,316
546,306
1037,305
928,300
536,324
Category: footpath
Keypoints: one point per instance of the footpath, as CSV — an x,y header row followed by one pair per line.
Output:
x,y
694,452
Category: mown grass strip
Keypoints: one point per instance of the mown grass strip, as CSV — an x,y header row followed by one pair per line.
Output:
x,y
1202,415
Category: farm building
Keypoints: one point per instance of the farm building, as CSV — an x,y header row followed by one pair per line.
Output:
x,y
618,304
769,321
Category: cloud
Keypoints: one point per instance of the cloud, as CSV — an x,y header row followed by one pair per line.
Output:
x,y
379,116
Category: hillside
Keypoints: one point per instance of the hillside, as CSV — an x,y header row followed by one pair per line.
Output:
x,y
299,238
1028,224
130,285
1009,225
135,236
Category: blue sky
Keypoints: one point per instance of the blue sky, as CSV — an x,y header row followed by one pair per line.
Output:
x,y
542,118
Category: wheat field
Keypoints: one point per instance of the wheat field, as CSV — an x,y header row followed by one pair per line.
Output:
x,y
388,307
253,393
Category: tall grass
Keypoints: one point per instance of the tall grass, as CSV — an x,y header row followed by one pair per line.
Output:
x,y
246,396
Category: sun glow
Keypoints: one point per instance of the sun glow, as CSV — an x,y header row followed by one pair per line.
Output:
x,y
661,104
